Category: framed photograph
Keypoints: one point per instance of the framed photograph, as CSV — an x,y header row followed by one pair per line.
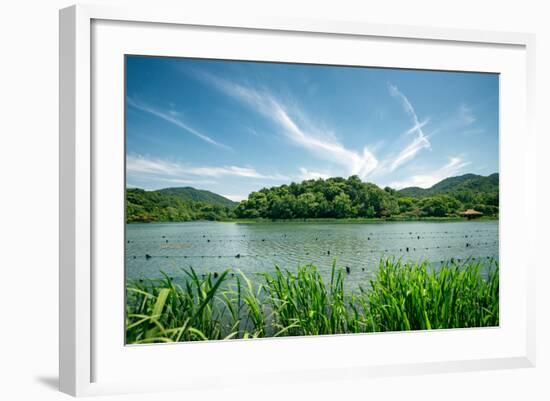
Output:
x,y
243,200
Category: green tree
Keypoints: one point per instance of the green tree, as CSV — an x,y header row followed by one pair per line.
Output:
x,y
342,205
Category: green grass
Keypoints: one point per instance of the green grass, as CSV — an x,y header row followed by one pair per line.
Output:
x,y
401,296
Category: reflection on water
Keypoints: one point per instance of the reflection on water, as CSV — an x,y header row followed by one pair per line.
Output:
x,y
257,247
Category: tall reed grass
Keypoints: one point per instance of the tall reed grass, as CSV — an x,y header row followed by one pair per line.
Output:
x,y
401,296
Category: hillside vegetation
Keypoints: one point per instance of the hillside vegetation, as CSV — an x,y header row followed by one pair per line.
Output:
x,y
172,205
466,184
331,198
350,198
190,194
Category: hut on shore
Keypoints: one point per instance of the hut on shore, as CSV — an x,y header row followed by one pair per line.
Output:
x,y
471,214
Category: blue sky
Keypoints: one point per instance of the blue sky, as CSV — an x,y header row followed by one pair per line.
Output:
x,y
234,127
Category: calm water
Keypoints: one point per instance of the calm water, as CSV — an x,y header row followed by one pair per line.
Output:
x,y
253,248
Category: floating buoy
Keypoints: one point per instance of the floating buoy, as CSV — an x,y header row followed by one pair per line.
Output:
x,y
407,248
348,270
238,255
147,256
215,274
206,240
328,252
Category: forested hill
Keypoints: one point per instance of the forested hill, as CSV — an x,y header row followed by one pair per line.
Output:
x,y
176,204
331,198
466,182
350,198
190,194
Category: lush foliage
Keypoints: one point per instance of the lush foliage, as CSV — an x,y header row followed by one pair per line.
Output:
x,y
147,206
189,194
350,198
331,198
402,296
472,191
334,197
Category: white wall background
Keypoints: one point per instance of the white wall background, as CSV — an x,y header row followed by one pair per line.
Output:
x,y
29,196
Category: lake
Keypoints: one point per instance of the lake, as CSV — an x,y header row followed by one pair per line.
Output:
x,y
258,247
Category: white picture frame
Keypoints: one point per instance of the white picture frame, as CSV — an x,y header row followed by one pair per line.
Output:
x,y
85,322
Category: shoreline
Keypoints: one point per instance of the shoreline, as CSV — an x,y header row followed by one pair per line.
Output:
x,y
356,220
359,220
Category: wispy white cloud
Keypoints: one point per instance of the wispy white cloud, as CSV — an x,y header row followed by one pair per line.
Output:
x,y
410,151
462,121
296,127
252,131
453,167
174,113
236,171
180,181
419,142
407,106
170,170
158,181
466,115
306,174
235,198
172,117
144,165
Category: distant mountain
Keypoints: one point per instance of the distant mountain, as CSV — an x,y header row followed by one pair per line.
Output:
x,y
463,183
334,197
176,204
189,194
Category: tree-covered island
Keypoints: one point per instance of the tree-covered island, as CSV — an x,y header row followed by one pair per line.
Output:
x,y
333,198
